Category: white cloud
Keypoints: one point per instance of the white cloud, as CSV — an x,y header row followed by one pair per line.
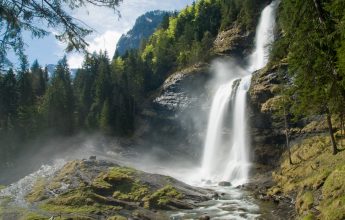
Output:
x,y
107,41
75,60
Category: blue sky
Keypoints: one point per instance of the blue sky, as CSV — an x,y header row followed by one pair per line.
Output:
x,y
108,29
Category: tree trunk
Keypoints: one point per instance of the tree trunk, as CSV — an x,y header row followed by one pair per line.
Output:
x,y
287,136
330,129
341,128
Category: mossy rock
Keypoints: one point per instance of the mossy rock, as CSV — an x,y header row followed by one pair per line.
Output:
x,y
335,184
162,197
38,192
314,171
117,217
33,216
333,191
309,216
304,202
333,209
134,191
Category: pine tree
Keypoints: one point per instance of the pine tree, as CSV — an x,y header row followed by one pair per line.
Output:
x,y
58,104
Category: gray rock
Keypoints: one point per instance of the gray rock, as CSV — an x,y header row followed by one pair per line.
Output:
x,y
224,183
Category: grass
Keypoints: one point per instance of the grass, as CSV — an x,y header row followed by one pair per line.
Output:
x,y
38,191
317,178
304,202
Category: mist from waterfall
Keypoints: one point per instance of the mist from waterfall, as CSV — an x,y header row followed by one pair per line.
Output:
x,y
227,158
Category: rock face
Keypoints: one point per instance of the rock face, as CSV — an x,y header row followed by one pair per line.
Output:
x,y
234,41
95,189
175,113
267,129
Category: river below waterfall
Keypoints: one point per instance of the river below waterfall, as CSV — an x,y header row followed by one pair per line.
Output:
x,y
233,203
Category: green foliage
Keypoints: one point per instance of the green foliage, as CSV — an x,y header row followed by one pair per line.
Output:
x,y
311,42
58,101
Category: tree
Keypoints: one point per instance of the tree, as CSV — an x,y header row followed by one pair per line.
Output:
x,y
17,16
40,79
312,60
8,100
58,101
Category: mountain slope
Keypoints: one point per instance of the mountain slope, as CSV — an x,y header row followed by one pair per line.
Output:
x,y
143,28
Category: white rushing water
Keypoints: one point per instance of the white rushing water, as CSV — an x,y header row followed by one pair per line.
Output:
x,y
235,165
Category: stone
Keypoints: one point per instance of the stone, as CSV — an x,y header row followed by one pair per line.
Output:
x,y
224,183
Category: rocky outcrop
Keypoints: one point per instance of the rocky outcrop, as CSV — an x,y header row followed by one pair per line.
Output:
x,y
233,41
174,114
266,128
96,189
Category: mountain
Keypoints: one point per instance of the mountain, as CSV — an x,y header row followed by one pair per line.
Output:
x,y
143,28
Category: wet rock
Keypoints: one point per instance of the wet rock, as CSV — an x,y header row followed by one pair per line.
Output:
x,y
233,41
92,158
215,196
174,113
205,217
266,128
224,183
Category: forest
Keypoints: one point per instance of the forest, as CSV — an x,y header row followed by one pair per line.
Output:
x,y
106,93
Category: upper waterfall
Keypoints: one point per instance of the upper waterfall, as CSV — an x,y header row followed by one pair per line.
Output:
x,y
227,158
263,38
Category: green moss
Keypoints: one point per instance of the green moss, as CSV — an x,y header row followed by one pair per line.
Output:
x,y
2,187
335,184
333,192
162,197
333,209
309,216
304,201
117,217
38,191
82,209
132,192
315,171
33,216
115,177
67,170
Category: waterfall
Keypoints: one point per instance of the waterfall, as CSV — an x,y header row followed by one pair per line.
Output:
x,y
229,160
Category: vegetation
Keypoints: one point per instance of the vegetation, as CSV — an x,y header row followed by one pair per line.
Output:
x,y
311,42
88,189
106,94
316,176
162,197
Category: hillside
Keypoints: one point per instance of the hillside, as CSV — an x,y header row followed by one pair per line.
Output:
x,y
144,27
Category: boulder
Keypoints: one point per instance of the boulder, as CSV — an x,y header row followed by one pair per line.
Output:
x,y
224,183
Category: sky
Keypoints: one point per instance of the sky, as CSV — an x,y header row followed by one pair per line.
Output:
x,y
108,28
